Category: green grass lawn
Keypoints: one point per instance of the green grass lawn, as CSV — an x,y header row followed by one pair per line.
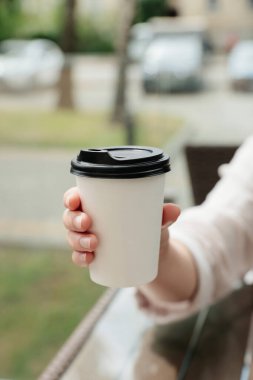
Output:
x,y
42,295
42,299
69,129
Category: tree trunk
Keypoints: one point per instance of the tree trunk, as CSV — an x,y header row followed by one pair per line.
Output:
x,y
128,10
68,46
69,27
65,86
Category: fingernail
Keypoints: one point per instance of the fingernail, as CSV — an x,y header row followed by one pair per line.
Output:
x,y
78,221
168,224
85,242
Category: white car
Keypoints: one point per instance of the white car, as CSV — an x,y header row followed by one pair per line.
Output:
x,y
173,63
240,66
25,64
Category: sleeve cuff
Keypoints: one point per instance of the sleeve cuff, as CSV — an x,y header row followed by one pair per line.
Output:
x,y
204,295
165,312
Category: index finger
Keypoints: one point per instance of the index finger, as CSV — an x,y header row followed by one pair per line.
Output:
x,y
71,199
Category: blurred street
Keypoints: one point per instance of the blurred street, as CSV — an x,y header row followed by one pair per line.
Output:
x,y
76,74
31,193
216,115
215,112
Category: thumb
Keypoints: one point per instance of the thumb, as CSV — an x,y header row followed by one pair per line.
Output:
x,y
170,214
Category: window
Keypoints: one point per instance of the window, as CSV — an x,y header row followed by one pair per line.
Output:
x,y
213,4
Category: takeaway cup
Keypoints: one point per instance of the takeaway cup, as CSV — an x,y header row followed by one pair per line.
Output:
x,y
122,189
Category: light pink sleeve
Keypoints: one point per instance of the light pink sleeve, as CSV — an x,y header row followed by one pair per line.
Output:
x,y
219,233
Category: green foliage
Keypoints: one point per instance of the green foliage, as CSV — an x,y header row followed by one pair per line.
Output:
x,y
150,8
42,299
94,38
35,129
50,35
91,38
92,35
9,18
47,26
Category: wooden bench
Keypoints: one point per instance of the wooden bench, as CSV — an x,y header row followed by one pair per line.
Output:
x,y
203,162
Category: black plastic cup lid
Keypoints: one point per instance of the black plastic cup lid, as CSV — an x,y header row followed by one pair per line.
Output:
x,y
120,162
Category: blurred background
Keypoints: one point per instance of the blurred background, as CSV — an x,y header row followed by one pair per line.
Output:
x,y
88,73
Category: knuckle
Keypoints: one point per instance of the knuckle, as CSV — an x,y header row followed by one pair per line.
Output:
x,y
65,216
94,241
87,221
74,257
70,239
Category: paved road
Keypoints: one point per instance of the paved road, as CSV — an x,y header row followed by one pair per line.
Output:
x,y
31,191
32,183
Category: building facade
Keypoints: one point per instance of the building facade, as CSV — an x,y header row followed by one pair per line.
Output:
x,y
225,18
89,7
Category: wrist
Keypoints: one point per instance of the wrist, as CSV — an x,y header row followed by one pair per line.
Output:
x,y
177,278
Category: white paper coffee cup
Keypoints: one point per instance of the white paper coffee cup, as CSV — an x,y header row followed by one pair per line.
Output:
x,y
122,189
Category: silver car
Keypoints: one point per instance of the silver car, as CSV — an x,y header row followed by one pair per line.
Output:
x,y
173,64
240,66
25,64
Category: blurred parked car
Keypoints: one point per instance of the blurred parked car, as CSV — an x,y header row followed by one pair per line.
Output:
x,y
173,64
25,64
240,66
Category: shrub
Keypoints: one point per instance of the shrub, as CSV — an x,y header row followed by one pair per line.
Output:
x,y
150,8
9,18
94,38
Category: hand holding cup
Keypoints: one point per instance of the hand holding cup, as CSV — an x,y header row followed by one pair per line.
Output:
x,y
78,223
122,189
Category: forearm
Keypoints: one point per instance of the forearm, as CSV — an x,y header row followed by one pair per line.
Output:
x,y
219,240
177,278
